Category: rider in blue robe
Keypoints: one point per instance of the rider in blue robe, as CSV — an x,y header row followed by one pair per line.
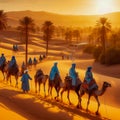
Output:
x,y
2,59
89,78
53,71
25,81
73,74
12,62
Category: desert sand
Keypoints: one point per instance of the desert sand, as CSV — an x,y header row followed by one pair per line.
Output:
x,y
14,105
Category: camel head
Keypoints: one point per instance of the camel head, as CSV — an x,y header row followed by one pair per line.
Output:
x,y
106,84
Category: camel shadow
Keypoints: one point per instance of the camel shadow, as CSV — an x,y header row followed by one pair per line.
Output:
x,y
37,107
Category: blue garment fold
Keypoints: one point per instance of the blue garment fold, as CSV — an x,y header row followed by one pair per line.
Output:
x,y
53,71
73,75
25,82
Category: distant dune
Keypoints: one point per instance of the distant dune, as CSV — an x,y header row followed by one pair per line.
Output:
x,y
63,20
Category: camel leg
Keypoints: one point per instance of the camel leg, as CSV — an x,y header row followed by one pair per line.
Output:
x,y
48,89
16,77
3,75
39,87
80,98
57,91
44,89
10,81
36,87
68,97
97,112
77,92
63,90
51,91
88,102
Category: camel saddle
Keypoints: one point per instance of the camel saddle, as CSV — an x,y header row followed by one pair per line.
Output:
x,y
87,86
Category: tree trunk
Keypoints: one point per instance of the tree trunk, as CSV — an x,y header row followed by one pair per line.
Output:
x,y
26,55
46,47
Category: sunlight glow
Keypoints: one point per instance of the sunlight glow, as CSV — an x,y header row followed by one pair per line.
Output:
x,y
104,6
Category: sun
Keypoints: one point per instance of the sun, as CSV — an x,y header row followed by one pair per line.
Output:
x,y
104,6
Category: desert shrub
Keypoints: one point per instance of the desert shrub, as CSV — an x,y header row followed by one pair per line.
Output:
x,y
89,49
96,52
112,56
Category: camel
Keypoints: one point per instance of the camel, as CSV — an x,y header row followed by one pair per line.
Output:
x,y
68,86
56,83
40,78
95,92
13,71
3,69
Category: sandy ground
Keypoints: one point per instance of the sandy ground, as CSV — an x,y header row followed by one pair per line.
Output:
x,y
34,106
16,105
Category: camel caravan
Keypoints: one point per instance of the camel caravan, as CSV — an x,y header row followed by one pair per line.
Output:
x,y
72,81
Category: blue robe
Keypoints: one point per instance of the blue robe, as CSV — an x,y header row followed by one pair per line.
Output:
x,y
12,62
25,82
73,75
53,71
2,60
88,76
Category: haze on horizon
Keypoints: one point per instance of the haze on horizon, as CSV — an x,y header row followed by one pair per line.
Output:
x,y
75,7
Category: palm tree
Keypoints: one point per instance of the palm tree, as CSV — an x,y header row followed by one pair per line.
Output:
x,y
76,34
48,30
27,25
3,20
103,27
68,35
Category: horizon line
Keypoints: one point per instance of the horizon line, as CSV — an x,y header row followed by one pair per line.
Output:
x,y
63,13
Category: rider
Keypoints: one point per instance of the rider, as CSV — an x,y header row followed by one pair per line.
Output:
x,y
35,60
53,71
12,62
2,59
89,80
30,61
73,74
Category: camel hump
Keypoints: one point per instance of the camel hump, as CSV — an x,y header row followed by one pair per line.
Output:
x,y
39,73
13,70
68,79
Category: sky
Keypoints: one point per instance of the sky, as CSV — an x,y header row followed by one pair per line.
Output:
x,y
75,7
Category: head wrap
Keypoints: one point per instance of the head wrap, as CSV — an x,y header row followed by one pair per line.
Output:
x,y
13,57
73,64
89,68
25,71
55,63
